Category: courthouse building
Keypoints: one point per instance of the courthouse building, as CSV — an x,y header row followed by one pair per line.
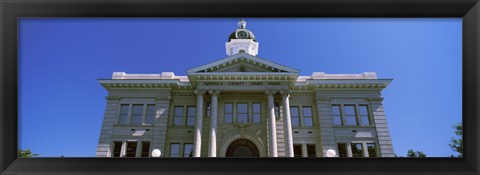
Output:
x,y
244,106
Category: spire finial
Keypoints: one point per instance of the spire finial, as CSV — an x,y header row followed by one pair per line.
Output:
x,y
242,24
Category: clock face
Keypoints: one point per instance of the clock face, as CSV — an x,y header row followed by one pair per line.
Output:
x,y
242,34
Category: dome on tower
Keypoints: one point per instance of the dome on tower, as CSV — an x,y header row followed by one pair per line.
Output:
x,y
241,32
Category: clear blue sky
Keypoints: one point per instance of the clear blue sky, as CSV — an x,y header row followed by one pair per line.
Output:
x,y
61,103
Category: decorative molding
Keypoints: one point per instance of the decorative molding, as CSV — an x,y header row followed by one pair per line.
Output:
x,y
270,92
112,97
259,61
323,98
163,98
214,91
235,45
286,92
375,99
199,92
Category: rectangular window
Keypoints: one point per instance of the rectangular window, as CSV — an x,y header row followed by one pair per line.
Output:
x,y
277,110
191,114
311,151
294,116
178,116
242,113
307,116
150,116
372,151
364,115
256,113
174,150
342,149
123,114
350,115
208,111
145,149
357,150
228,112
297,151
131,149
137,115
117,148
337,115
188,150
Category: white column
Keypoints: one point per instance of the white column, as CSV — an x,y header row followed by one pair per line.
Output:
x,y
365,150
197,142
123,149
304,150
212,151
349,150
287,124
138,152
272,122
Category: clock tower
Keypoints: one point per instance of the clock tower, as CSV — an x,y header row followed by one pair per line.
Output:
x,y
242,40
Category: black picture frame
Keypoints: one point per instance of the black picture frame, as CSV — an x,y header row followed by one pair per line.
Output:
x,y
10,10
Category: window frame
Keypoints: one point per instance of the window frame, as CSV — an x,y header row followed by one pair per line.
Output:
x,y
184,151
354,115
311,116
142,151
292,116
360,116
225,113
114,146
194,116
259,113
147,114
179,149
375,149
362,150
340,114
175,116
243,113
295,154
133,114
135,147
119,117
314,150
346,148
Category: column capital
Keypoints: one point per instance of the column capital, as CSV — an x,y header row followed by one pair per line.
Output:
x,y
286,92
199,92
214,91
270,92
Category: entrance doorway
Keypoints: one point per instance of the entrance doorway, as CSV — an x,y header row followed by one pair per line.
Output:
x,y
242,148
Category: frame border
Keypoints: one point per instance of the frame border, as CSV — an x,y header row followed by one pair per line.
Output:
x,y
10,10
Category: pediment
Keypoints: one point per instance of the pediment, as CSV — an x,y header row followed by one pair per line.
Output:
x,y
242,62
244,67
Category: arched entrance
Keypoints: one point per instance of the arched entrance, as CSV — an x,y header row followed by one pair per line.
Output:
x,y
242,148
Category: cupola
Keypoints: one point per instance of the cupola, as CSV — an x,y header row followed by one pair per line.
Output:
x,y
242,40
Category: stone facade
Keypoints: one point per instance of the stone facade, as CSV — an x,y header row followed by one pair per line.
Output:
x,y
244,106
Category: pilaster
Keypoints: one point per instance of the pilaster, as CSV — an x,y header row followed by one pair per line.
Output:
x,y
160,129
327,138
383,134
109,119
